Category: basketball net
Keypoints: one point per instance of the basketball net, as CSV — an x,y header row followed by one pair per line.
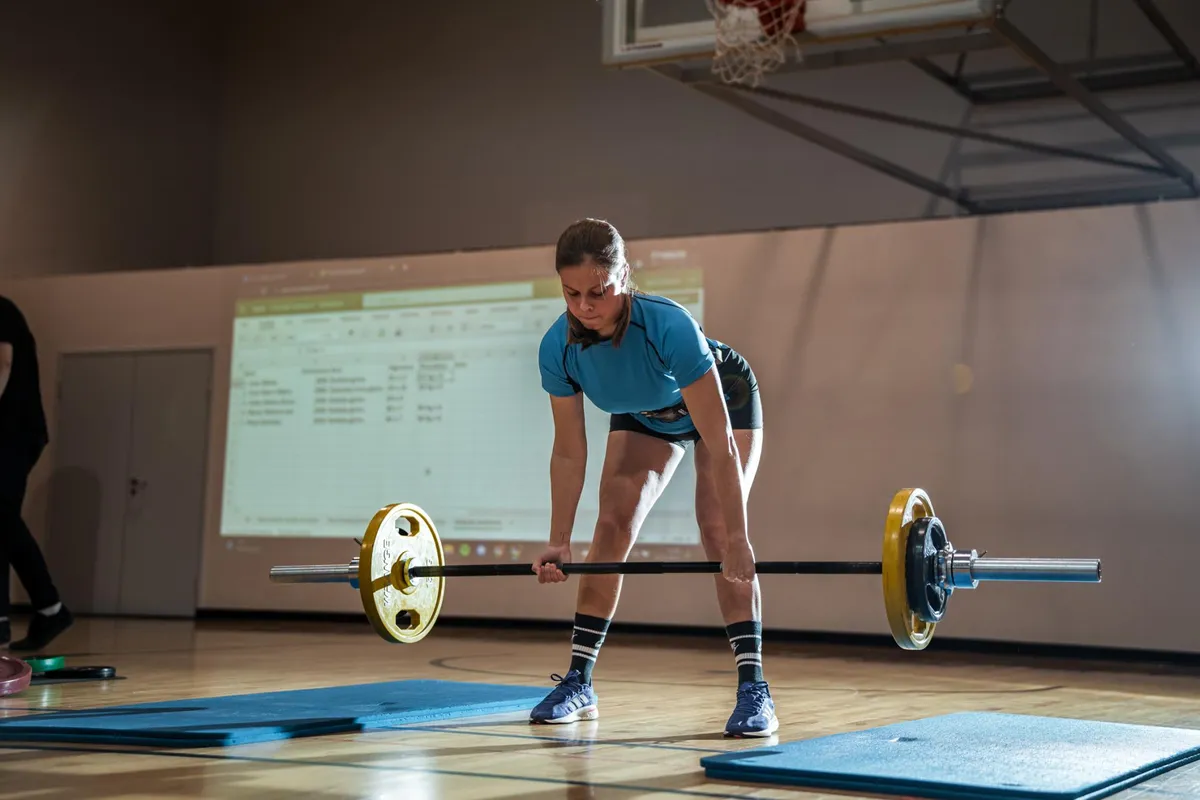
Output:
x,y
752,37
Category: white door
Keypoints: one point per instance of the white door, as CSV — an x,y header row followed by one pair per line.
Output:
x,y
127,495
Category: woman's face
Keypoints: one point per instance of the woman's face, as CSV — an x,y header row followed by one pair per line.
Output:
x,y
594,295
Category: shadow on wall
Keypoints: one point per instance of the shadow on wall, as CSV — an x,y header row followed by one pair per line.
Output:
x,y
73,503
1174,331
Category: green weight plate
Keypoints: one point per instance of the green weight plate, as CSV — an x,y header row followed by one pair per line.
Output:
x,y
40,664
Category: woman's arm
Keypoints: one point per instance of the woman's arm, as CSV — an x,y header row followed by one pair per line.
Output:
x,y
568,464
706,404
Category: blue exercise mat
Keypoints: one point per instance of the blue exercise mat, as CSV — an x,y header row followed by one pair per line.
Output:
x,y
970,756
249,718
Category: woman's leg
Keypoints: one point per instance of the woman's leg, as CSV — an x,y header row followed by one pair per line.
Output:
x,y
741,603
19,549
637,467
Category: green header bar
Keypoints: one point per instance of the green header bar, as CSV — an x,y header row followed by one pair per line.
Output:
x,y
311,304
669,282
450,295
680,285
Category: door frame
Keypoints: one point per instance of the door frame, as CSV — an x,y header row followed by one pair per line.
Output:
x,y
64,354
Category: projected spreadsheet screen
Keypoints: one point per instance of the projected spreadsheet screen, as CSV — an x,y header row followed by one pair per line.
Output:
x,y
341,403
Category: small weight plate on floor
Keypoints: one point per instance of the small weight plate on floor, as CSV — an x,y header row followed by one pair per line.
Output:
x,y
40,664
78,674
15,675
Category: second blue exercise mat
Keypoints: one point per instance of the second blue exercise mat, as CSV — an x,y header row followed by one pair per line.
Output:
x,y
970,756
249,718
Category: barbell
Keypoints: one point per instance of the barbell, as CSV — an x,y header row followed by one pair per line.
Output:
x,y
401,570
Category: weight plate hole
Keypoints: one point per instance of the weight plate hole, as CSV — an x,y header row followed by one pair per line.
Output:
x,y
408,619
408,526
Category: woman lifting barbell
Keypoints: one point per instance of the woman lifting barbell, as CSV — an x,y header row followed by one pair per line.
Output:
x,y
646,361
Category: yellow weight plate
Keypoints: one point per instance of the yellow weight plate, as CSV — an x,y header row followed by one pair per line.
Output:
x,y
910,631
400,610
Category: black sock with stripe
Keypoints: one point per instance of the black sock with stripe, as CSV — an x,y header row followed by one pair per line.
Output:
x,y
586,639
746,640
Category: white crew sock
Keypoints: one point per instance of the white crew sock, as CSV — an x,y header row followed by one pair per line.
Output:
x,y
51,610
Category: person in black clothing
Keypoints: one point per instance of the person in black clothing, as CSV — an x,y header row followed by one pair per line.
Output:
x,y
23,436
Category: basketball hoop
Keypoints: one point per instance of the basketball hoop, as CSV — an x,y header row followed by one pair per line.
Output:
x,y
752,36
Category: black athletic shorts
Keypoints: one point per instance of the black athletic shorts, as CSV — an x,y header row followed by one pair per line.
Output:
x,y
741,398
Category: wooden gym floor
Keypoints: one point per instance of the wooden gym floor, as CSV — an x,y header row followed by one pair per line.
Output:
x,y
663,705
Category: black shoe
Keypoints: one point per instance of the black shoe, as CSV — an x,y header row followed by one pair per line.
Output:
x,y
43,630
5,634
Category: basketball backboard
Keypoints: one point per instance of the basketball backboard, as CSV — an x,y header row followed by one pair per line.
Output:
x,y
641,32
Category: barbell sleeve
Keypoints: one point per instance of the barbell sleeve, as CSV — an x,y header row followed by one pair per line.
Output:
x,y
965,569
316,573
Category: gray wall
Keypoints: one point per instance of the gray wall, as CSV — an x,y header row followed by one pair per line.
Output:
x,y
139,134
107,130
413,127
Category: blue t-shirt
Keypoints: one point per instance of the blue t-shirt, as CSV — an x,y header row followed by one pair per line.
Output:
x,y
663,351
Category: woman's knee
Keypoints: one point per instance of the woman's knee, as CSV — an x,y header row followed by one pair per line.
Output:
x,y
620,500
714,536
612,540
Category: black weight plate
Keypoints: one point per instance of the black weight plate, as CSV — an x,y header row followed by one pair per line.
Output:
x,y
926,598
77,674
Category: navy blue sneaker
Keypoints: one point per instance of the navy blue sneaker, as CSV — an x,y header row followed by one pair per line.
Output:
x,y
572,700
754,714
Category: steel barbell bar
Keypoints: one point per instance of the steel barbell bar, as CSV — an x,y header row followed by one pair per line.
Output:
x,y
401,570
